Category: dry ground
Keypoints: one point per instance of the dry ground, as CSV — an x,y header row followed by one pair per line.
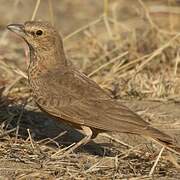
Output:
x,y
130,48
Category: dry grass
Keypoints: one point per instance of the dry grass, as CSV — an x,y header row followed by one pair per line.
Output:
x,y
132,52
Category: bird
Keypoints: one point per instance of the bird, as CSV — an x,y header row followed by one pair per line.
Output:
x,y
63,92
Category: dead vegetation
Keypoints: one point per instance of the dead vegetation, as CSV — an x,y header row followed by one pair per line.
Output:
x,y
132,52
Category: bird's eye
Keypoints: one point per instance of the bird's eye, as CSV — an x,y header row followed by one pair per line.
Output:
x,y
39,32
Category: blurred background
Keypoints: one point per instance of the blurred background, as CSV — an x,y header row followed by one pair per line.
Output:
x,y
130,48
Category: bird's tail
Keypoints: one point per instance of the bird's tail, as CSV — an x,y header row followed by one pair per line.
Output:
x,y
163,139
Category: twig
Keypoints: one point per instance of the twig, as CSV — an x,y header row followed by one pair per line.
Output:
x,y
9,87
35,10
155,163
61,150
115,17
83,28
19,119
116,140
147,14
170,9
128,65
94,166
108,28
7,132
106,8
121,25
52,139
18,71
105,18
30,138
157,52
171,22
108,63
107,54
173,160
51,11
95,39
126,152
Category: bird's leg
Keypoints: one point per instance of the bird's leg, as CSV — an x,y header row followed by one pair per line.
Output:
x,y
88,134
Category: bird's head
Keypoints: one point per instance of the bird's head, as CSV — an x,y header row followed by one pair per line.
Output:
x,y
43,40
37,34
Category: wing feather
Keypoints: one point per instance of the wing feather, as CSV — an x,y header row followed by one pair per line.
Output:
x,y
78,99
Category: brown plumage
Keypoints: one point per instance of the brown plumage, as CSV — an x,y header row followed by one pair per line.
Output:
x,y
65,93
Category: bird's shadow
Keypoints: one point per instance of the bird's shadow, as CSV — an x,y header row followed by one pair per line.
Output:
x,y
42,127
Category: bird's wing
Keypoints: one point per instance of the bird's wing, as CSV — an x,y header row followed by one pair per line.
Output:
x,y
66,90
110,115
78,99
106,115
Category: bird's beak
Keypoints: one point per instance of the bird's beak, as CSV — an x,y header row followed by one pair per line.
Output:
x,y
18,29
